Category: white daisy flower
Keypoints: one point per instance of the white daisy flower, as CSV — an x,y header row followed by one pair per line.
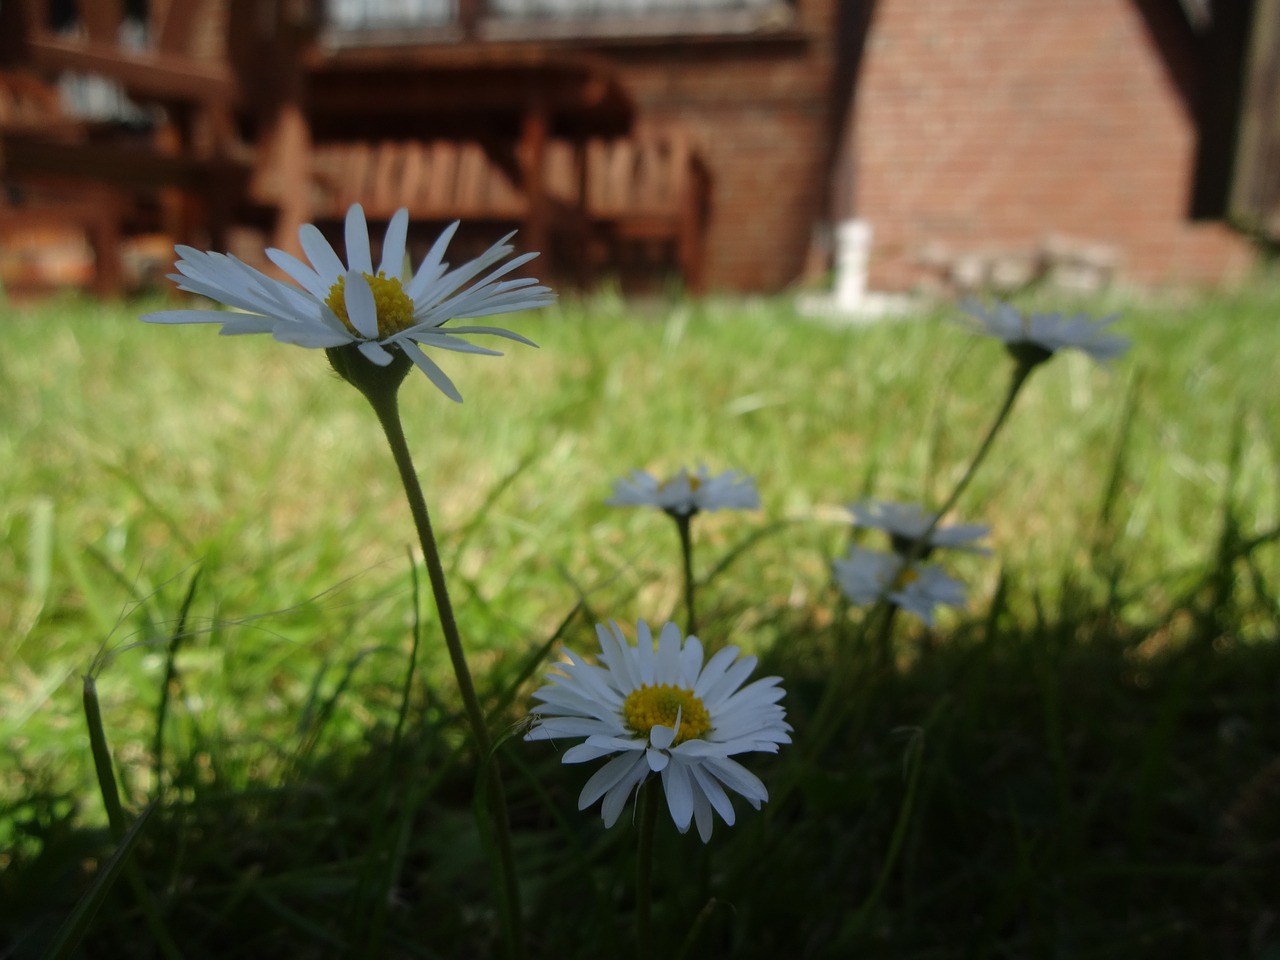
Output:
x,y
663,711
337,304
1034,337
866,575
686,494
906,523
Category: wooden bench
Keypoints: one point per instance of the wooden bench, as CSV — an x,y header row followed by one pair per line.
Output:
x,y
650,192
186,170
646,193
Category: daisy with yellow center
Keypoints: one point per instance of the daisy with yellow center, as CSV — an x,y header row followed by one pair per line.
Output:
x,y
666,705
382,313
658,709
866,576
907,523
684,494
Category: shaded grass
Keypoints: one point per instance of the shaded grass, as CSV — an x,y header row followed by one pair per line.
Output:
x,y
1088,745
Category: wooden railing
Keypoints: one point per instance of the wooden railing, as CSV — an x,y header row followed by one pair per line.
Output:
x,y
510,19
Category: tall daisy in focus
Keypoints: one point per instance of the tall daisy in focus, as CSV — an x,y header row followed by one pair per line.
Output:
x,y
683,496
375,326
351,310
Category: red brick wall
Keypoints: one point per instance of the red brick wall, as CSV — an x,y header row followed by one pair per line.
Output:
x,y
759,108
986,124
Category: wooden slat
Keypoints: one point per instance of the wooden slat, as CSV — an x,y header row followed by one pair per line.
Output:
x,y
443,175
468,186
383,187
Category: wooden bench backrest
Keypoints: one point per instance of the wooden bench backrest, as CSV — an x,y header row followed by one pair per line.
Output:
x,y
441,179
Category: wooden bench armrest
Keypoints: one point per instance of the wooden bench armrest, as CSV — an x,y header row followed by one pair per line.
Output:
x,y
151,76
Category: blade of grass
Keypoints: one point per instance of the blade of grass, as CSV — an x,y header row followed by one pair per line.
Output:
x,y
116,819
170,680
73,930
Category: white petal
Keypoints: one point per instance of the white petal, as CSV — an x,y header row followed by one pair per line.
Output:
x,y
662,737
612,773
187,316
644,656
322,256
554,728
702,816
492,331
714,793
726,685
374,352
616,798
433,266
690,662
238,324
715,669
301,274
356,232
362,309
667,666
309,335
675,781
590,750
433,372
445,341
393,244
738,779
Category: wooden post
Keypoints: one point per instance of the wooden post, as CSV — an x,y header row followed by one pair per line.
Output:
x,y
533,156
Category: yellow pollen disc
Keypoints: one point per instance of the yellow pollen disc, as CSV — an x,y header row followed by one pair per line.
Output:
x,y
906,576
654,706
694,483
395,309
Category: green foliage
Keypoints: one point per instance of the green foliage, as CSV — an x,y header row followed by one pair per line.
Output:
x,y
1085,764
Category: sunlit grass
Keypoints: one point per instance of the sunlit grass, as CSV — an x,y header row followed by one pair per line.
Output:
x,y
135,456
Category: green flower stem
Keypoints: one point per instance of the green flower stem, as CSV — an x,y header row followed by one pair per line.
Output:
x,y
1021,371
644,870
683,523
387,409
834,700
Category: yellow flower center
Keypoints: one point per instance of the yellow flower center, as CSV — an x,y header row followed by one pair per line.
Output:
x,y
395,309
694,483
653,706
904,578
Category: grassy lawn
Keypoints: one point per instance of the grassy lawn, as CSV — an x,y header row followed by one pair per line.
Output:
x,y
1083,762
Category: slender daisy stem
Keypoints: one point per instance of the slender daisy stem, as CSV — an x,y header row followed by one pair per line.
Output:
x,y
1021,371
387,409
644,870
835,700
683,523
884,635
921,548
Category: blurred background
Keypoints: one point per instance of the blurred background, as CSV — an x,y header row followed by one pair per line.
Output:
x,y
857,149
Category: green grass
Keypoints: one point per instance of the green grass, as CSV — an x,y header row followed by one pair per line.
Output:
x,y
1097,734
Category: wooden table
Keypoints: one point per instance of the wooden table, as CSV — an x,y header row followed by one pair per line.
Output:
x,y
511,100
